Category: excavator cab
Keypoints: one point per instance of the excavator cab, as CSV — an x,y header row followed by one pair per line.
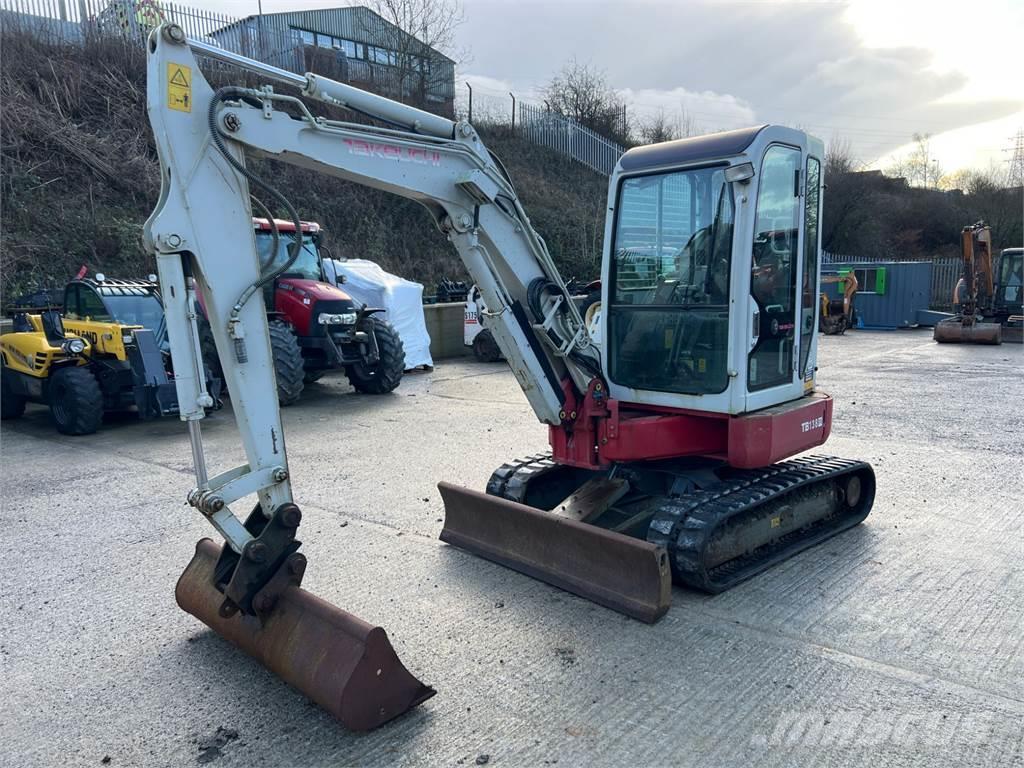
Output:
x,y
708,241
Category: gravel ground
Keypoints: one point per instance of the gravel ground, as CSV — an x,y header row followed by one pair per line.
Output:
x,y
898,643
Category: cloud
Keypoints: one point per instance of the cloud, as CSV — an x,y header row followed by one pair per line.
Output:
x,y
734,64
709,110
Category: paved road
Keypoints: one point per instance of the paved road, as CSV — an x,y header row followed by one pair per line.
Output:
x,y
899,643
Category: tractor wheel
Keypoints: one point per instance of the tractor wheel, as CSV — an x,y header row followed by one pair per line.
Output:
x,y
76,402
288,365
12,405
383,376
485,348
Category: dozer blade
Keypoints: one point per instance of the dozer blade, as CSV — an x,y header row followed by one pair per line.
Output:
x,y
612,569
952,331
339,661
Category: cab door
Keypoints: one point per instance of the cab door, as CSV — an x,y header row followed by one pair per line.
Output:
x,y
776,269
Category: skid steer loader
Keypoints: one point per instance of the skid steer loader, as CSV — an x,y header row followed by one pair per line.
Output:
x,y
672,442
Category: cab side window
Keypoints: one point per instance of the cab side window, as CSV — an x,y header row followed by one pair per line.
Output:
x,y
71,309
91,305
774,268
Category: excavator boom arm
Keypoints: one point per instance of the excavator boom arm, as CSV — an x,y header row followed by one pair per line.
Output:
x,y
202,235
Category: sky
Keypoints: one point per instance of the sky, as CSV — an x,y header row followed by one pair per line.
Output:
x,y
867,72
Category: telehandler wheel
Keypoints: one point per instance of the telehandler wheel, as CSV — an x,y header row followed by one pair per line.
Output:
x,y
288,366
12,405
383,376
76,402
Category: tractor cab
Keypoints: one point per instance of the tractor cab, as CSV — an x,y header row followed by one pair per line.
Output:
x,y
304,295
308,265
316,326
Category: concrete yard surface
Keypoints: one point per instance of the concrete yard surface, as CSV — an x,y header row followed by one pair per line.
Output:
x,y
898,643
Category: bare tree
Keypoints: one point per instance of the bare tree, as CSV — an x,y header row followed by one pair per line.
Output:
x,y
661,126
920,168
839,158
582,93
657,128
417,42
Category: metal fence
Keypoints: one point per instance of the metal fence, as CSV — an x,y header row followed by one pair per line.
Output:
x,y
539,125
945,274
544,127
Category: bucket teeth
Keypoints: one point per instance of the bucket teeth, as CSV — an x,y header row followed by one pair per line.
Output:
x,y
339,661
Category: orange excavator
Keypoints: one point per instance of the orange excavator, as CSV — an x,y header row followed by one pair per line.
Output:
x,y
835,317
987,298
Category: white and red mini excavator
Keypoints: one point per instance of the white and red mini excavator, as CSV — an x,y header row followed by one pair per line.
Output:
x,y
672,442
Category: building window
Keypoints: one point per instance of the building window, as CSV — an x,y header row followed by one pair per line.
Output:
x,y
348,46
869,279
308,38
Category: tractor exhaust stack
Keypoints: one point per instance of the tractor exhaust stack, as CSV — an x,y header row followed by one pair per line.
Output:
x,y
339,661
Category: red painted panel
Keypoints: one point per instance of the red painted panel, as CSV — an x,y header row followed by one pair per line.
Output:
x,y
773,434
664,436
602,431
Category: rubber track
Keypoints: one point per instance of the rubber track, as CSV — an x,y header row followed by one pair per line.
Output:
x,y
510,480
686,525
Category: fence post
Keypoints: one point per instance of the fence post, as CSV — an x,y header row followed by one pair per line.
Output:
x,y
470,88
513,110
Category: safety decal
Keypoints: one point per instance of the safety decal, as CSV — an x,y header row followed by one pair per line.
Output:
x,y
179,87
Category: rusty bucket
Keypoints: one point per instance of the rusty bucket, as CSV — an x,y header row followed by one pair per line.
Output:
x,y
617,571
339,661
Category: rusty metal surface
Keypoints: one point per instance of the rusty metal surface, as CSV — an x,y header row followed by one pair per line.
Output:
x,y
617,571
955,331
344,664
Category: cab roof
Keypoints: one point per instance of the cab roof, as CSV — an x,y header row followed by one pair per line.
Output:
x,y
710,147
114,287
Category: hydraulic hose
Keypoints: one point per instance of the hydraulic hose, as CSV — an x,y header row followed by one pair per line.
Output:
x,y
221,95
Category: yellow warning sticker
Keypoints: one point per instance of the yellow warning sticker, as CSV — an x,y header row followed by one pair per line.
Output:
x,y
776,522
179,87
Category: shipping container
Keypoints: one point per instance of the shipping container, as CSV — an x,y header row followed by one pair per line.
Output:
x,y
890,293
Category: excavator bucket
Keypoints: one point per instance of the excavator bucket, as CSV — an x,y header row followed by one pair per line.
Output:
x,y
339,661
617,571
953,331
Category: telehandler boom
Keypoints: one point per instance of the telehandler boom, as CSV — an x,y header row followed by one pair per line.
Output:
x,y
666,440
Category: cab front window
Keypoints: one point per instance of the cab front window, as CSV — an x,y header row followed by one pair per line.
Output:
x,y
668,311
306,265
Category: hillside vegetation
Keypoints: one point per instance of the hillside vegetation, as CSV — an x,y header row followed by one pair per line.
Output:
x,y
79,178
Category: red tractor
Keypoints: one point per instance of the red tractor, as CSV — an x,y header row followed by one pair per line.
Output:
x,y
316,327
